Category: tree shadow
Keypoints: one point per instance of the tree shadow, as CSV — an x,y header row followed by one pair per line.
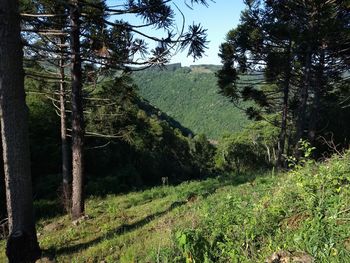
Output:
x,y
244,177
47,209
125,228
51,208
206,190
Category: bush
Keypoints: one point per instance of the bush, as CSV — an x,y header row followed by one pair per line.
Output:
x,y
193,245
248,150
203,153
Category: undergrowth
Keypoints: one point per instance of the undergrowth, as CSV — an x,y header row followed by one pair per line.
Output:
x,y
307,210
233,219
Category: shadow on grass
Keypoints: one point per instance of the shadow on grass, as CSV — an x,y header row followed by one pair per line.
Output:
x,y
245,177
125,228
46,209
50,208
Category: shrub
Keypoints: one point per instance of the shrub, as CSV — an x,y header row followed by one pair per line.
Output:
x,y
248,150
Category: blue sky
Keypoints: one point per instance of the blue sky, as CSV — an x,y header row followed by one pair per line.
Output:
x,y
218,19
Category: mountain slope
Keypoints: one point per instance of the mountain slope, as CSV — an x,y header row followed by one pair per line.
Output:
x,y
190,95
302,214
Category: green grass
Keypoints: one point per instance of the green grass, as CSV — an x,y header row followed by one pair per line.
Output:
x,y
304,212
233,219
124,228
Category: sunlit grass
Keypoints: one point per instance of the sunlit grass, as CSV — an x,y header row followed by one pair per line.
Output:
x,y
134,227
242,218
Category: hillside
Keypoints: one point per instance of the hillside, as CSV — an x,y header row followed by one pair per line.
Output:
x,y
149,144
135,148
301,216
190,95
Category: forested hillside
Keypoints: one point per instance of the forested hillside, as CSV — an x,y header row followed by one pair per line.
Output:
x,y
128,138
132,151
110,153
190,95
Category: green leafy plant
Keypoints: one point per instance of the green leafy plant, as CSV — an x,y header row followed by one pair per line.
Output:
x,y
194,247
251,149
306,151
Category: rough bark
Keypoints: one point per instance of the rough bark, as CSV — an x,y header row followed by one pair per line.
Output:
x,y
77,115
22,245
285,108
66,190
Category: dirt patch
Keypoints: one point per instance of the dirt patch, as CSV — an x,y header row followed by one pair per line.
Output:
x,y
294,221
192,198
53,227
290,257
347,244
46,260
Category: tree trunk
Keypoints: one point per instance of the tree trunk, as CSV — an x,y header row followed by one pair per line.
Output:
x,y
304,94
66,191
285,108
316,103
268,153
22,245
77,115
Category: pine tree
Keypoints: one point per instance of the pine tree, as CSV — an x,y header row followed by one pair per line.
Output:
x,y
98,42
22,245
293,43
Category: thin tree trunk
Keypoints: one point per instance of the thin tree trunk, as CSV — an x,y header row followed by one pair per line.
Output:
x,y
268,152
77,115
22,245
283,132
66,191
316,104
304,93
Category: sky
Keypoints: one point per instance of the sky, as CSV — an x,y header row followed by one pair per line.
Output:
x,y
218,18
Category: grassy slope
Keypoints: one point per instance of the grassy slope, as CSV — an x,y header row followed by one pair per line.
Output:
x,y
136,226
191,97
307,210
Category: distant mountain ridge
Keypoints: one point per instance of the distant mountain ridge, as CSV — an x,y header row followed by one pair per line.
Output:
x,y
190,96
176,66
152,110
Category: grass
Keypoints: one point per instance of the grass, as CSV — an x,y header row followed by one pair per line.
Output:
x,y
304,213
125,228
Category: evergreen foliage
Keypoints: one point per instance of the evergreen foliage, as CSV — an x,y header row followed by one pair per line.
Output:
x,y
189,94
128,140
298,46
249,150
91,35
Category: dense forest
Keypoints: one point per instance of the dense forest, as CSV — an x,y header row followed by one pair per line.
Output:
x,y
190,95
111,153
